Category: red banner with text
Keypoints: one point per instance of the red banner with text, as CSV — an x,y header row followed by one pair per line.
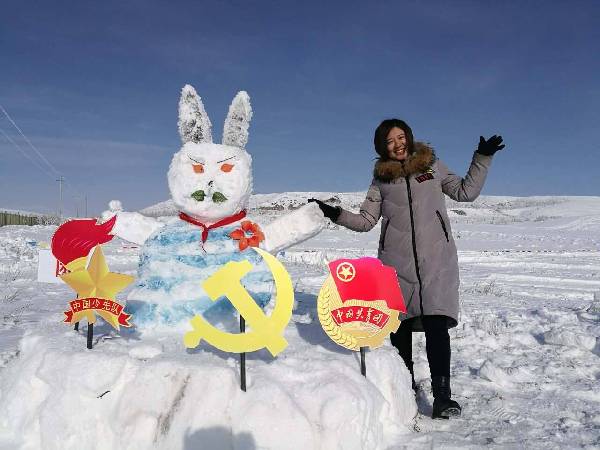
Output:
x,y
98,304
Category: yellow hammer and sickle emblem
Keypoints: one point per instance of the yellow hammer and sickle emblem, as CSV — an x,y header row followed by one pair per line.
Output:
x,y
265,331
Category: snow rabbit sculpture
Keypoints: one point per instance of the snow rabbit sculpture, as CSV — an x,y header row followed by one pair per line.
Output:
x,y
210,184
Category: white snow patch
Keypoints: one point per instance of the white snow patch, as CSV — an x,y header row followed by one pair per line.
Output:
x,y
145,351
58,394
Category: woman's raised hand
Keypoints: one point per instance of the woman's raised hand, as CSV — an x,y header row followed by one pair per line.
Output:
x,y
491,146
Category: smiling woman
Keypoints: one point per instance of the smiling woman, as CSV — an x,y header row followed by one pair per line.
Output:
x,y
407,192
396,144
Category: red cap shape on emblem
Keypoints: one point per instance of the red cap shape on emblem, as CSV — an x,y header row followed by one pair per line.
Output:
x,y
367,279
75,238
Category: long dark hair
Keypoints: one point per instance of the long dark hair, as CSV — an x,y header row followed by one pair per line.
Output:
x,y
382,132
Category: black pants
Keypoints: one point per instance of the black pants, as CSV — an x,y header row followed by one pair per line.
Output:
x,y
437,343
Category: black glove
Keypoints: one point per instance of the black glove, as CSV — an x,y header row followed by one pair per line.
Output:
x,y
491,146
331,212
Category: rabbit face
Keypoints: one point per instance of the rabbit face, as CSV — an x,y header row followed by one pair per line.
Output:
x,y
211,181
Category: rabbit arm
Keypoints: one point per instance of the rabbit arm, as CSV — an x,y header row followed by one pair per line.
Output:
x,y
293,228
132,226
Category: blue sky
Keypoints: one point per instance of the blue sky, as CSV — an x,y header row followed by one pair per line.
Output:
x,y
95,87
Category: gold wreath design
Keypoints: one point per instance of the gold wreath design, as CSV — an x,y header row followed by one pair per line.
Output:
x,y
333,330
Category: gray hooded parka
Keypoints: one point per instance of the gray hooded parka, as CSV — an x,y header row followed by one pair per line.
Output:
x,y
416,238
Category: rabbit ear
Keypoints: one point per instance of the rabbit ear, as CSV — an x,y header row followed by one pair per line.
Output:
x,y
194,124
235,130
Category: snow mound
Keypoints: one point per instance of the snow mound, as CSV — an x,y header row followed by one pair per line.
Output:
x,y
491,372
162,209
145,351
570,339
124,394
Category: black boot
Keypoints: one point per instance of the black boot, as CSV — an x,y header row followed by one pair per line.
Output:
x,y
443,406
410,366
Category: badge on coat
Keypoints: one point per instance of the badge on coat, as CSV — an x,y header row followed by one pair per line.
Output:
x,y
426,176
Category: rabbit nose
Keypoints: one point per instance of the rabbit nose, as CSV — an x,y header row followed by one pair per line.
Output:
x,y
210,183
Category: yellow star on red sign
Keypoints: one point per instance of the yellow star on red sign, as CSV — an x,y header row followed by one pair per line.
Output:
x,y
346,272
96,281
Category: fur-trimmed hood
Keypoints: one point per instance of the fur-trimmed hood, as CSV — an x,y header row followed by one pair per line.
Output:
x,y
418,161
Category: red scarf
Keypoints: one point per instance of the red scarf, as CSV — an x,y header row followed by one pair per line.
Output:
x,y
220,223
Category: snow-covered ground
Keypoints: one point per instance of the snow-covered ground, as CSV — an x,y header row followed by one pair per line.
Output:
x,y
525,364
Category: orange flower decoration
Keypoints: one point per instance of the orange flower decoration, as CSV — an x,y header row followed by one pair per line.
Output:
x,y
250,235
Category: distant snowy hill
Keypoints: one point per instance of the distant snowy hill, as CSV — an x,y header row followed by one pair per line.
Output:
x,y
265,204
486,209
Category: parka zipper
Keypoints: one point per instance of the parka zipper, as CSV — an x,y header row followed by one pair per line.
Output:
x,y
384,227
443,225
414,242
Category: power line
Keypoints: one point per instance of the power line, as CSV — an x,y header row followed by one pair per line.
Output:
x,y
61,179
60,205
9,139
43,158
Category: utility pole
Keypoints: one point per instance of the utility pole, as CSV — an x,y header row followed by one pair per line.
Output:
x,y
60,180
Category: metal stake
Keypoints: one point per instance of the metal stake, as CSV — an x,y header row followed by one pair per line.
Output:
x,y
90,335
363,365
242,358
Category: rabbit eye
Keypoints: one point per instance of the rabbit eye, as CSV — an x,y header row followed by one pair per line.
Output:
x,y
226,167
198,168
